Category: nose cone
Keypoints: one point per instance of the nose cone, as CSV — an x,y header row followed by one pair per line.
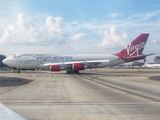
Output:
x,y
4,61
9,61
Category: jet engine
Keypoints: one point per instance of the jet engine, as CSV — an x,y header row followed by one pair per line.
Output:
x,y
55,68
78,66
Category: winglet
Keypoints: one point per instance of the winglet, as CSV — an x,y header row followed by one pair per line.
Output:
x,y
8,114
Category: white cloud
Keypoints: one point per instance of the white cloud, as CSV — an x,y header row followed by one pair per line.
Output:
x,y
79,36
53,25
113,15
113,39
25,32
148,18
22,32
154,41
151,15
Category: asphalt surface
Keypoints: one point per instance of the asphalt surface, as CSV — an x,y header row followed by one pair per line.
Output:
x,y
114,94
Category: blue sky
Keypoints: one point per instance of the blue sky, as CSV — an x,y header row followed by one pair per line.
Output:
x,y
77,26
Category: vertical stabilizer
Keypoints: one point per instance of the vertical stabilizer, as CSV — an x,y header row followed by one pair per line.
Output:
x,y
135,48
146,62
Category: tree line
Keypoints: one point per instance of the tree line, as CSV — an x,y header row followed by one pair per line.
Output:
x,y
2,57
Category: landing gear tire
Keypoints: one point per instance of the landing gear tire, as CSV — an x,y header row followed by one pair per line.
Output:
x,y
18,71
72,71
76,71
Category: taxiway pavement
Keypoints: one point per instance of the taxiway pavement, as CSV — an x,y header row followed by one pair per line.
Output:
x,y
115,94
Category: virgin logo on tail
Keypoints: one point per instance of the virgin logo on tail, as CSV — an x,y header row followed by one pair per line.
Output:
x,y
136,47
132,49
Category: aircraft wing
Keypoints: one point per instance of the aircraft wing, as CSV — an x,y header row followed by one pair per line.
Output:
x,y
8,114
92,62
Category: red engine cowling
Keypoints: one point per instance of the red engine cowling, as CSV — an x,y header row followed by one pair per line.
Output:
x,y
78,66
54,68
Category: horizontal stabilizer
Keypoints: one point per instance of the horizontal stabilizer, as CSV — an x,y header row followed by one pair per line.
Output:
x,y
139,56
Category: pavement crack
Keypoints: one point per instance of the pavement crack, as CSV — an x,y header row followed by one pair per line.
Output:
x,y
65,90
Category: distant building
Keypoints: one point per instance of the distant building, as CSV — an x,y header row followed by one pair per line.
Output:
x,y
157,60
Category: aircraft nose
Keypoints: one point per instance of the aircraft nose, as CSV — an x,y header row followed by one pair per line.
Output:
x,y
4,61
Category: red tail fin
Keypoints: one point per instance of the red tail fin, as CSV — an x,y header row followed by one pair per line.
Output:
x,y
136,47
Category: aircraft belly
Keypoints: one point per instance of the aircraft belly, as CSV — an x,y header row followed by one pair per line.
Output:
x,y
103,64
110,63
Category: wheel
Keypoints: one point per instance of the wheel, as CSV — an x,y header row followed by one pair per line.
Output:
x,y
72,71
68,71
76,71
18,71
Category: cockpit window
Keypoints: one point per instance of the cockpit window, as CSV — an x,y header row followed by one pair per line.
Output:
x,y
16,56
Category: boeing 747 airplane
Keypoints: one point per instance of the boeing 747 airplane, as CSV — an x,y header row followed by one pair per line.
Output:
x,y
73,63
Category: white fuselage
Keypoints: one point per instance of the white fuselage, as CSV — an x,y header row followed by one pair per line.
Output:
x,y
30,61
151,66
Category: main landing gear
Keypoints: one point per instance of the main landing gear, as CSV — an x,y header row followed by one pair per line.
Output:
x,y
16,70
72,71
